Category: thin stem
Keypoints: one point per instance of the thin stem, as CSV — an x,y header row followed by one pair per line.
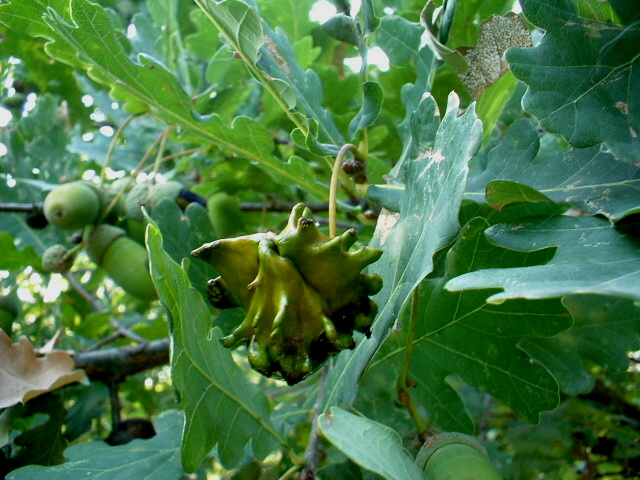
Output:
x,y
112,146
98,307
161,147
262,78
404,383
274,205
133,175
290,473
311,453
116,407
184,153
333,192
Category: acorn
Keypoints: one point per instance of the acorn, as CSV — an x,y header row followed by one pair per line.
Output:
x,y
225,214
455,456
124,259
73,205
9,310
57,259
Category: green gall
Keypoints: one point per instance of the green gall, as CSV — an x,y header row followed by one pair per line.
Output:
x,y
303,294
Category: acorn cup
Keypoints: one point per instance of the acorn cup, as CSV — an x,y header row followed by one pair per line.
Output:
x,y
57,259
124,259
303,294
150,195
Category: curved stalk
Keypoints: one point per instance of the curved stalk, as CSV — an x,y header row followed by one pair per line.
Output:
x,y
112,146
404,394
333,192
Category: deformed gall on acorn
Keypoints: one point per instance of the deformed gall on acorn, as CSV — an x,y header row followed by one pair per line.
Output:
x,y
303,294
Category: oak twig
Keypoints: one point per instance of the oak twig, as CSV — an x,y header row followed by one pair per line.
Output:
x,y
311,453
117,363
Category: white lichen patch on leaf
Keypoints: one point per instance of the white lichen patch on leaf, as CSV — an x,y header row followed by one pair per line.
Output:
x,y
486,60
434,157
25,375
387,220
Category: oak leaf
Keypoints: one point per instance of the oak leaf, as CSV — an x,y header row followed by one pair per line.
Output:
x,y
25,375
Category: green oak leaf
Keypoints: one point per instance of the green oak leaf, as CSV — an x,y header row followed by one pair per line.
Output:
x,y
373,97
89,405
271,58
371,445
467,18
493,101
292,17
42,443
591,179
591,257
400,40
434,181
582,77
343,28
183,232
157,457
13,258
88,40
223,408
605,330
458,333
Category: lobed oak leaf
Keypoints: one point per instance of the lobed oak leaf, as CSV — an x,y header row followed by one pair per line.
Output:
x,y
25,375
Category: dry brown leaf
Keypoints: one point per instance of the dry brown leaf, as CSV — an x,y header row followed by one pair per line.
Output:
x,y
24,375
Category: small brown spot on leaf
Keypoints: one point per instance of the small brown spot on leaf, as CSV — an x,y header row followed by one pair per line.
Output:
x,y
623,107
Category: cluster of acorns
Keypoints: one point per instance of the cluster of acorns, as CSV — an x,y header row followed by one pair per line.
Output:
x,y
303,294
115,241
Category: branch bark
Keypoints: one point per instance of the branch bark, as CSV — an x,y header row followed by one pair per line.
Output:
x,y
36,207
114,364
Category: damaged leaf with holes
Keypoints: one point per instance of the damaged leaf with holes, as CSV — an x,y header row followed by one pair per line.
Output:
x,y
303,294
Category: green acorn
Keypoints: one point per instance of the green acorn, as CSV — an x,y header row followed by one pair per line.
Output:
x,y
124,259
57,259
225,214
72,206
302,292
455,456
